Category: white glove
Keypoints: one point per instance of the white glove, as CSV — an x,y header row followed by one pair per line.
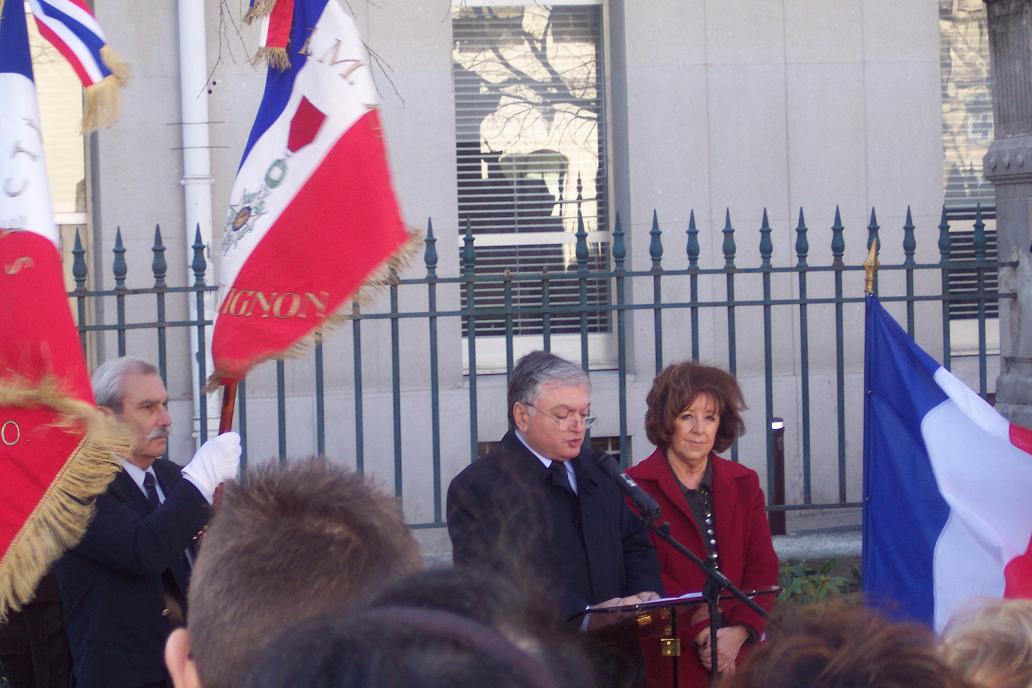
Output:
x,y
216,461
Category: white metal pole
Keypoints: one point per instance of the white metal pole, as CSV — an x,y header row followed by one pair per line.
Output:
x,y
197,184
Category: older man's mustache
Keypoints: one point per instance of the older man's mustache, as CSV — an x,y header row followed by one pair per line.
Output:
x,y
156,433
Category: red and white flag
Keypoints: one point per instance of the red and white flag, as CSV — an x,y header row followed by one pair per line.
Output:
x,y
312,214
51,461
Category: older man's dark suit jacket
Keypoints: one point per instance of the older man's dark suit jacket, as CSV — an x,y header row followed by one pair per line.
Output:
x,y
506,512
113,583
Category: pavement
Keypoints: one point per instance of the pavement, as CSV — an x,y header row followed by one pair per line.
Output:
x,y
819,535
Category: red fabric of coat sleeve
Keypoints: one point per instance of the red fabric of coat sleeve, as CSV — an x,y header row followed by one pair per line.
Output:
x,y
761,565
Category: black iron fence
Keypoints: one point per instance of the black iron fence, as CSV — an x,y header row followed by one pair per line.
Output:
x,y
580,300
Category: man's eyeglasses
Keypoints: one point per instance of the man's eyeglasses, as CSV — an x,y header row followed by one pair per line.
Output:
x,y
568,422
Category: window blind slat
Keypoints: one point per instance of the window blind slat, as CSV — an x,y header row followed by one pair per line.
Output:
x,y
963,283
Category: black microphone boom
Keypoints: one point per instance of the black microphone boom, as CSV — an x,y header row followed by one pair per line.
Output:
x,y
647,506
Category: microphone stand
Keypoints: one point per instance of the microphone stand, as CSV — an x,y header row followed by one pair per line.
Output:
x,y
715,582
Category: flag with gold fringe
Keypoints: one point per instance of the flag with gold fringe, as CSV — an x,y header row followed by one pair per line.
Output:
x,y
312,215
56,450
71,28
276,19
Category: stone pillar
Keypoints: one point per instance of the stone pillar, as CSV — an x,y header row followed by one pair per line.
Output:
x,y
1008,165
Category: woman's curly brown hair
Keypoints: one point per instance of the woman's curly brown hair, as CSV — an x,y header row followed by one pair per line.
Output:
x,y
676,387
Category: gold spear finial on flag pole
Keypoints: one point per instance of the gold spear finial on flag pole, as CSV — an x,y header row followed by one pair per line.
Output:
x,y
871,267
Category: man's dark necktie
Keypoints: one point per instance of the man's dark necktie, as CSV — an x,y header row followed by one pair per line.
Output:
x,y
151,488
559,476
178,569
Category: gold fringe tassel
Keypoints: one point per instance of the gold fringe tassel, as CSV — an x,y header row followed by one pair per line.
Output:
x,y
377,280
274,57
262,8
119,69
60,519
102,98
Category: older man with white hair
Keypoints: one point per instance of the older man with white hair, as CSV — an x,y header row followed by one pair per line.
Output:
x,y
124,585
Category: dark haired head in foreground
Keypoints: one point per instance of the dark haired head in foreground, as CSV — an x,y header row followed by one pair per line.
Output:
x,y
290,544
397,647
836,646
517,607
453,628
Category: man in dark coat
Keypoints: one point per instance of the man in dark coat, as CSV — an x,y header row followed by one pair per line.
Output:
x,y
539,504
124,585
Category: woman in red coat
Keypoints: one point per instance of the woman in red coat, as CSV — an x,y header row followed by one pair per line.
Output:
x,y
715,508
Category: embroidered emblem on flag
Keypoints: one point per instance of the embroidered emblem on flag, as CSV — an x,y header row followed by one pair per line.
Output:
x,y
312,215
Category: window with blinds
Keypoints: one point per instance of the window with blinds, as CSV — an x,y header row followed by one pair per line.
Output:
x,y
530,134
967,107
967,131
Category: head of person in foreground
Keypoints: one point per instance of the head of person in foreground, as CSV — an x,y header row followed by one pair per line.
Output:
x,y
290,543
840,646
990,643
440,628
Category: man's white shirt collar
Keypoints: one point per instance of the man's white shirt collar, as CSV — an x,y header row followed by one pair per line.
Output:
x,y
545,461
137,473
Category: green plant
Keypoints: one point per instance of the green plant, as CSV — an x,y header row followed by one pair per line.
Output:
x,y
802,584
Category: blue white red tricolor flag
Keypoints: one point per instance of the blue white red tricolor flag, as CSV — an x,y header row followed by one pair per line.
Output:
x,y
50,466
71,28
312,213
947,485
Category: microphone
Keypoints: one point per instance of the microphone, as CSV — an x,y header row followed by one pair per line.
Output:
x,y
647,506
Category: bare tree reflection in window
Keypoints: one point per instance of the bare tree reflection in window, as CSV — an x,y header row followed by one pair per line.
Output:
x,y
529,103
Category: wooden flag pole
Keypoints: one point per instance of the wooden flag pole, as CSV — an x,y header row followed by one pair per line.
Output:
x,y
229,391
